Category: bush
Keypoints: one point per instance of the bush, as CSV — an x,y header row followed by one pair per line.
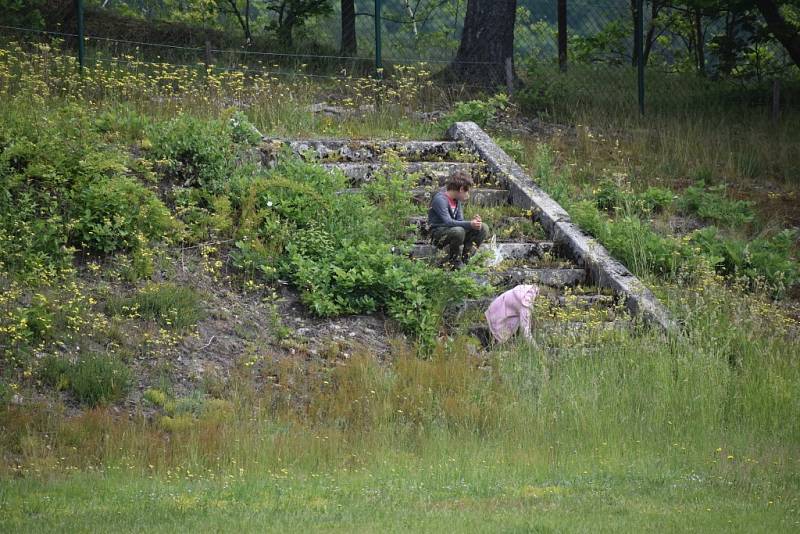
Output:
x,y
170,305
610,196
113,212
712,204
94,379
481,112
770,260
544,89
194,152
67,185
99,379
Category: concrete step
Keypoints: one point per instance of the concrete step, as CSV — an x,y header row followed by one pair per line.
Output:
x,y
516,251
498,227
548,277
422,195
430,172
346,150
578,301
478,196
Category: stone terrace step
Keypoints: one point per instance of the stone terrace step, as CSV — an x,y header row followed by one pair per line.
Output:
x,y
549,277
420,222
431,172
345,150
579,301
477,196
509,251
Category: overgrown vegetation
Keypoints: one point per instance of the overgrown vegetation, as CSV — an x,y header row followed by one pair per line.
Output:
x,y
621,219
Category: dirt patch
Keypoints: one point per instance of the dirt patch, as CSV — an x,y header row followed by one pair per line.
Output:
x,y
266,323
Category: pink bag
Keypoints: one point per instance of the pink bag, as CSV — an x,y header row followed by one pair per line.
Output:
x,y
511,310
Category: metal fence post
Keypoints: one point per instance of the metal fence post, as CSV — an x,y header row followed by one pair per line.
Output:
x,y
562,35
639,45
79,14
378,59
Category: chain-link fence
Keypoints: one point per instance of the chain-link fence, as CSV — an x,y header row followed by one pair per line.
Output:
x,y
569,53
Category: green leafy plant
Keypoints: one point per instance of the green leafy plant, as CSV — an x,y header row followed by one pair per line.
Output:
x,y
112,213
94,378
771,260
481,112
194,152
611,196
712,204
99,379
170,305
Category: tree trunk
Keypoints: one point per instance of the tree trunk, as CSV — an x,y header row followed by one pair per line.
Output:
x,y
699,38
650,38
486,42
781,29
349,43
244,21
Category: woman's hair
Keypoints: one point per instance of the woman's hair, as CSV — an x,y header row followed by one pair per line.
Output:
x,y
459,180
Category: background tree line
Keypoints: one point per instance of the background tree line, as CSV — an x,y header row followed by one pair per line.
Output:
x,y
714,38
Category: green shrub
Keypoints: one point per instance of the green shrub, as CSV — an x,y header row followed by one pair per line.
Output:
x,y
610,196
544,88
94,379
772,260
170,305
55,371
99,379
68,185
481,112
656,199
242,130
512,147
202,153
113,212
712,204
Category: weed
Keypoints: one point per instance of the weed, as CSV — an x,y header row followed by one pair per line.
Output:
x,y
711,204
94,379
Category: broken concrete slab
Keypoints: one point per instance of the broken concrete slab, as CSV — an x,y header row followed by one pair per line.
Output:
x,y
423,195
421,224
430,172
603,269
583,302
509,251
477,196
548,277
345,150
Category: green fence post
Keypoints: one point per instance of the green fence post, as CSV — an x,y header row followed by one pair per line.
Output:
x,y
378,60
639,45
79,13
